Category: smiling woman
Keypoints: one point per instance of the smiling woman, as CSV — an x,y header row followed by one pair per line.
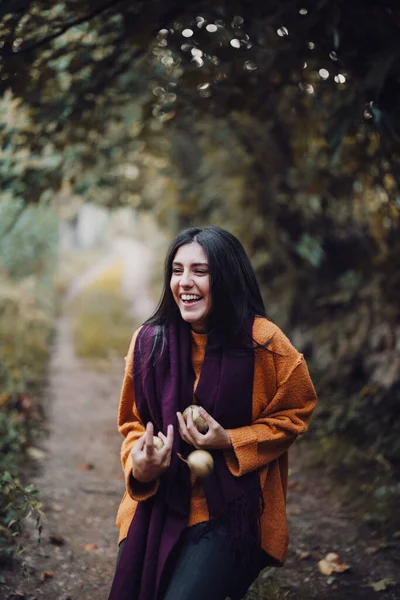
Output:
x,y
190,285
208,343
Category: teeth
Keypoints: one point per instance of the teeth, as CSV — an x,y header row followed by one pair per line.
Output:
x,y
190,297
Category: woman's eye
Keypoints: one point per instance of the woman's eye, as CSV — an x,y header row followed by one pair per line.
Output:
x,y
176,271
200,272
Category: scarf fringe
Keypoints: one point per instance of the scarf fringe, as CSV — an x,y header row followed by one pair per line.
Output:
x,y
241,518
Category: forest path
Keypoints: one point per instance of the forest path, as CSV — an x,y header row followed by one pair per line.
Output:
x,y
80,480
79,476
319,523
81,486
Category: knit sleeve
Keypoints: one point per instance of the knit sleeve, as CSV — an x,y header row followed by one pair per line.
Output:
x,y
132,428
281,419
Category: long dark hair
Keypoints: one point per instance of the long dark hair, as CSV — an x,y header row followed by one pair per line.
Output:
x,y
235,292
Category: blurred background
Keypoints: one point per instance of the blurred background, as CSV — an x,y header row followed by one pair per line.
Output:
x,y
123,122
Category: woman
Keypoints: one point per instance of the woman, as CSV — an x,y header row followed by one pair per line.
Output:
x,y
208,343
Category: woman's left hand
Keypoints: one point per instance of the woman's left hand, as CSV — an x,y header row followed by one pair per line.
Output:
x,y
216,438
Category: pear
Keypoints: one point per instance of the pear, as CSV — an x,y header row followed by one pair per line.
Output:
x,y
198,421
158,443
200,462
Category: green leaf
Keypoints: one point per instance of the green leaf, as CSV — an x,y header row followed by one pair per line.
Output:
x,y
310,249
29,489
382,585
12,522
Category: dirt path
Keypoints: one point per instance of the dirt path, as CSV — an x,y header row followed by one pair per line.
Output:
x,y
319,524
81,486
80,477
80,482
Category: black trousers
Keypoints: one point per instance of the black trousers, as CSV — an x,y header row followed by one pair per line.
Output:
x,y
204,566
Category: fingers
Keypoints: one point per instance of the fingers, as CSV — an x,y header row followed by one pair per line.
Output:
x,y
138,447
188,431
146,444
181,422
182,427
149,432
198,438
191,427
167,439
170,436
211,422
148,463
216,437
149,447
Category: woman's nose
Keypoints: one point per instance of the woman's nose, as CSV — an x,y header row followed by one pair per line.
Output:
x,y
186,279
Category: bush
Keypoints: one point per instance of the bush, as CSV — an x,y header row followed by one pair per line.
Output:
x,y
103,327
28,238
26,321
28,254
16,503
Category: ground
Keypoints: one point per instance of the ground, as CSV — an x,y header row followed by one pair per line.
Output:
x,y
81,485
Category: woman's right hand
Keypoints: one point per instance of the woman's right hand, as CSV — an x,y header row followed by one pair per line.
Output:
x,y
148,463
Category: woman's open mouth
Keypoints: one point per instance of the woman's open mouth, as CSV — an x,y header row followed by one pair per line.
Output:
x,y
190,298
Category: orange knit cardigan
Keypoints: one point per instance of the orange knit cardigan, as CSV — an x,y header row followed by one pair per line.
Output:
x,y
283,400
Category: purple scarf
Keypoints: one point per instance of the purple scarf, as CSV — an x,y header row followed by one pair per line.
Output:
x,y
225,390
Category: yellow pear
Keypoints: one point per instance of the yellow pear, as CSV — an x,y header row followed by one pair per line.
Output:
x,y
158,443
198,421
200,463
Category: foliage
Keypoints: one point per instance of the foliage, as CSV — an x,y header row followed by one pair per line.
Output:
x,y
28,252
78,69
365,480
37,226
17,502
103,327
25,333
29,166
244,42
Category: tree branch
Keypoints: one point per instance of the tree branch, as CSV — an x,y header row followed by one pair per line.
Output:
x,y
62,29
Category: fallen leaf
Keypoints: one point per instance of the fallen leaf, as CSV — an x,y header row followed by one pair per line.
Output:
x,y
382,585
35,453
332,557
24,403
57,540
294,510
325,567
90,547
46,575
4,398
332,564
305,554
87,467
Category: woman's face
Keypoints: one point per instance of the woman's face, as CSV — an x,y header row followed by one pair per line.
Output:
x,y
190,285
